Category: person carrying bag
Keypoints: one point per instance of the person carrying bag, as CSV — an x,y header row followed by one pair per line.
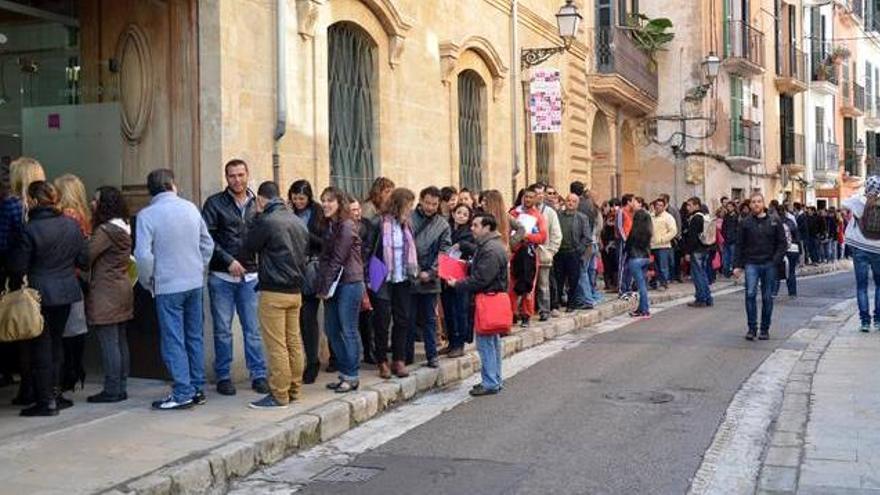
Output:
x,y
494,314
20,314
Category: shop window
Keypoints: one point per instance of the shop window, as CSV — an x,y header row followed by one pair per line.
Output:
x,y
470,130
353,129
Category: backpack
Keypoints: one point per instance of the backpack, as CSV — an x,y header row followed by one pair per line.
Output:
x,y
869,223
707,236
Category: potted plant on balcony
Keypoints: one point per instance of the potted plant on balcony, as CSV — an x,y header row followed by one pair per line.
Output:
x,y
824,71
838,54
650,35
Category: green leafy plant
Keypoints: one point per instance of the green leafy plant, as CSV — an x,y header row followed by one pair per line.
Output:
x,y
650,35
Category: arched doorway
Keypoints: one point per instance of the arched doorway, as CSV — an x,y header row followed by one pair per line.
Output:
x,y
354,134
602,169
630,170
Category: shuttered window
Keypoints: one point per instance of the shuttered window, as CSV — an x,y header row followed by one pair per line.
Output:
x,y
352,84
470,130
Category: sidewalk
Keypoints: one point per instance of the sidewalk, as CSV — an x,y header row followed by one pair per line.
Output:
x,y
829,443
127,448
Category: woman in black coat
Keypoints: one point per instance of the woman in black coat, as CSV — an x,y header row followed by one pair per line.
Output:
x,y
52,247
457,304
303,203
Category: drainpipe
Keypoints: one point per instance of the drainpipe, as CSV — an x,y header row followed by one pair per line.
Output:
x,y
514,77
281,87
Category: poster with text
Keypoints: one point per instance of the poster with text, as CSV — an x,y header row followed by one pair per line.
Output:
x,y
545,101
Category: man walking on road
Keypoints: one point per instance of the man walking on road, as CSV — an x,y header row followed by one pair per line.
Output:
x,y
762,244
233,279
280,239
696,252
863,238
171,258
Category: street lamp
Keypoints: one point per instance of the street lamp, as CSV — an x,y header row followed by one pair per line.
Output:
x,y
711,65
567,21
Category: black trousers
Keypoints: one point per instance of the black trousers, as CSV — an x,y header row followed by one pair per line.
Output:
x,y
365,327
47,353
567,271
394,313
308,328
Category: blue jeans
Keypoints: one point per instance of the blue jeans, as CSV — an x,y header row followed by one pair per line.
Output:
x,y
425,321
341,318
637,269
830,248
490,350
181,341
863,261
226,299
791,275
587,291
456,312
727,255
766,274
701,278
663,262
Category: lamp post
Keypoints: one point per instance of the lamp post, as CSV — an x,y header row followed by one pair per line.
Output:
x,y
567,21
711,65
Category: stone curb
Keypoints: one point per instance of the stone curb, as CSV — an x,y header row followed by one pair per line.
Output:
x,y
211,471
785,449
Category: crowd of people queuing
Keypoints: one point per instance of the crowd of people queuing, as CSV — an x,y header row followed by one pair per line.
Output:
x,y
374,266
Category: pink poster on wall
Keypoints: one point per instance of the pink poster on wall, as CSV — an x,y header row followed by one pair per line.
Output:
x,y
545,101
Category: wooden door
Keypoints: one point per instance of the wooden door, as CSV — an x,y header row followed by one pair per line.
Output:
x,y
142,54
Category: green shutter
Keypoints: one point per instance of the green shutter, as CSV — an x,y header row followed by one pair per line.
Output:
x,y
470,131
352,112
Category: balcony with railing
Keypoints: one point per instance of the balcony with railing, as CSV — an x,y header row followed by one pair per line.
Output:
x,y
791,71
744,49
872,165
624,74
852,103
827,161
793,151
823,73
872,113
745,143
852,162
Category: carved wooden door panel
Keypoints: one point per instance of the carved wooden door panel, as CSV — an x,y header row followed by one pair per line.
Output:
x,y
146,60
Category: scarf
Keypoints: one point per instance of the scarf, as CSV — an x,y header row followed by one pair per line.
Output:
x,y
411,260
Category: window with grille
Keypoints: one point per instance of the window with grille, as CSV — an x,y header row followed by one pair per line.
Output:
x,y
470,130
352,85
542,157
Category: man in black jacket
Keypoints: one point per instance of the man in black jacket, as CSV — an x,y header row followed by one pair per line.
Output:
x,y
696,253
729,229
488,276
233,278
576,239
762,245
280,241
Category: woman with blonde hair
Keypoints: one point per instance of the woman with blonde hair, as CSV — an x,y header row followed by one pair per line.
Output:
x,y
73,203
13,214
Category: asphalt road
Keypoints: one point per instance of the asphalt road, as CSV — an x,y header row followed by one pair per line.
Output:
x,y
630,411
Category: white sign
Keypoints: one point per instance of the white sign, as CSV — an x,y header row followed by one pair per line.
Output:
x,y
545,101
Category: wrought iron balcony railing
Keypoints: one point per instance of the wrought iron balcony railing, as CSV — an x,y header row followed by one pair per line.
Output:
x,y
827,157
792,63
745,42
617,53
745,138
793,148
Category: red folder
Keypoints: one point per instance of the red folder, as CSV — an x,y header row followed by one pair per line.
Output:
x,y
451,269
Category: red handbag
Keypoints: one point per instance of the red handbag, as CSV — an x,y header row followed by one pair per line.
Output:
x,y
493,314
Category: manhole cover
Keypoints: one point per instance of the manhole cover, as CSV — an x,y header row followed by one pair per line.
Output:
x,y
347,474
641,397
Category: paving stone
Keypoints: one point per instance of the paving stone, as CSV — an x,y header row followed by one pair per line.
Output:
x,y
581,320
426,378
783,456
778,479
218,472
466,366
565,326
797,387
364,404
448,372
408,386
832,474
153,484
301,431
335,419
270,444
786,439
191,478
475,362
239,457
551,331
791,422
389,393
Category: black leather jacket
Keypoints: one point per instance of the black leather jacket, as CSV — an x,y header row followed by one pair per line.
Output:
x,y
280,240
228,227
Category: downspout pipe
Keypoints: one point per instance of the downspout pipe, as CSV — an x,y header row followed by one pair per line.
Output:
x,y
280,87
514,97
